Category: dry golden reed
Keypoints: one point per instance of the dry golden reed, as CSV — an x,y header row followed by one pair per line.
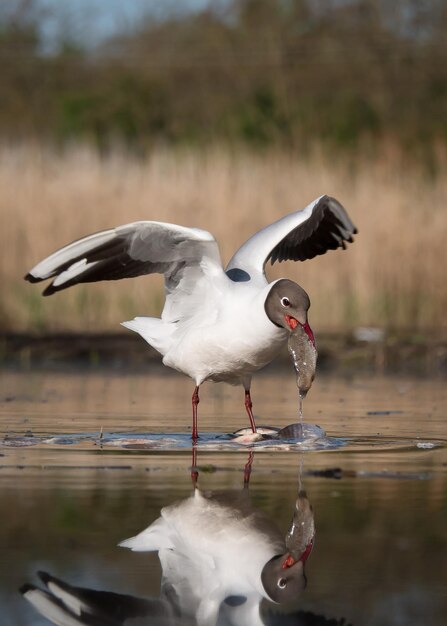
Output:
x,y
393,276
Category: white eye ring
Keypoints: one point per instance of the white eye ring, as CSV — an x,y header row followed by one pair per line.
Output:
x,y
282,582
285,302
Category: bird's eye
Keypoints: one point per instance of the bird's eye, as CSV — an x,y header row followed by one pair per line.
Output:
x,y
282,582
285,301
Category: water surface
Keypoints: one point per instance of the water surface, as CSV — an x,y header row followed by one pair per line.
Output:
x,y
70,495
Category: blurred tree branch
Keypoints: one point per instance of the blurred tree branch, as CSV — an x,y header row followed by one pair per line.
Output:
x,y
260,72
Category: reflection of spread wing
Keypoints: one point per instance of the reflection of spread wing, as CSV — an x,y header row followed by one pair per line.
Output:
x,y
66,605
323,225
274,617
132,250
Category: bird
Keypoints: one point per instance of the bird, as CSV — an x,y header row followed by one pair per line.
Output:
x,y
220,557
67,605
218,324
216,546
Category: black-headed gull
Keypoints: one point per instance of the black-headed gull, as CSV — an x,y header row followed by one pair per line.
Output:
x,y
67,605
217,324
220,557
217,546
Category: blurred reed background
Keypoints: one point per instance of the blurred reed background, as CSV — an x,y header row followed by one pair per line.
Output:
x,y
227,115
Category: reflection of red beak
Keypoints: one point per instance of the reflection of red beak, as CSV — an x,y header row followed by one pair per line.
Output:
x,y
290,560
307,551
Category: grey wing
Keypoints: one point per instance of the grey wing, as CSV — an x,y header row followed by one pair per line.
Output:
x,y
128,251
323,225
64,604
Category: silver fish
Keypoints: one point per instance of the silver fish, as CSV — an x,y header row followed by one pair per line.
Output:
x,y
304,357
299,538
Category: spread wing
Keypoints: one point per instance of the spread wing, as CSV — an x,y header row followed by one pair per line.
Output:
x,y
323,225
66,605
132,250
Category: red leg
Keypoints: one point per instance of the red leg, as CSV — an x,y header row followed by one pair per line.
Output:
x,y
194,470
195,402
248,407
247,468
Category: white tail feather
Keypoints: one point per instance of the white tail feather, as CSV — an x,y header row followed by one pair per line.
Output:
x,y
153,538
153,330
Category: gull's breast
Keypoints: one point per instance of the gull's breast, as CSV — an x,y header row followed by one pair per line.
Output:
x,y
235,344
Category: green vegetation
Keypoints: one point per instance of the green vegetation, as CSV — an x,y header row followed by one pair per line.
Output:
x,y
227,119
260,72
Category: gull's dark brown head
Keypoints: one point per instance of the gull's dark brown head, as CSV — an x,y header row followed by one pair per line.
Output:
x,y
286,306
283,578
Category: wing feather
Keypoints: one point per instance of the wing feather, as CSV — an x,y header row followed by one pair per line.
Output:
x,y
128,251
323,225
67,605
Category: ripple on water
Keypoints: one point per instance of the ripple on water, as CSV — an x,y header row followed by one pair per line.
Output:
x,y
298,437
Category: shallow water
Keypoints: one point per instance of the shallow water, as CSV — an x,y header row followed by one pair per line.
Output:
x,y
378,486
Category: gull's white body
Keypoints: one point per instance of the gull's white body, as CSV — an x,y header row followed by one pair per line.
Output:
x,y
226,337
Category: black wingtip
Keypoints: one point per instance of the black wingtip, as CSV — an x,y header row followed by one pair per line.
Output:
x,y
330,200
26,587
48,291
353,229
31,279
44,577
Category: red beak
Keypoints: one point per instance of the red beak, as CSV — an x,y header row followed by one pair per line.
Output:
x,y
309,333
293,323
290,560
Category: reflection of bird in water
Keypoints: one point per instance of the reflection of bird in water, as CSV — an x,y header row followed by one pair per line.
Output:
x,y
219,325
218,546
66,605
220,557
